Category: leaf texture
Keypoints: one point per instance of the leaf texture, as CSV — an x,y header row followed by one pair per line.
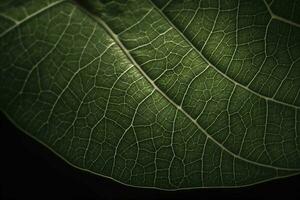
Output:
x,y
165,94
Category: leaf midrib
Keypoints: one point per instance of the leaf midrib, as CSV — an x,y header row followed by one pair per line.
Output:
x,y
185,38
182,35
115,37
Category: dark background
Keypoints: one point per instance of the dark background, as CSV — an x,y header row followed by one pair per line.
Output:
x,y
31,171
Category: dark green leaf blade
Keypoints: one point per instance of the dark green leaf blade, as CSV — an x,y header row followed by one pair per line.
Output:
x,y
170,95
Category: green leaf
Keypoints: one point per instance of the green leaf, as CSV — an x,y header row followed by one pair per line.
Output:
x,y
165,94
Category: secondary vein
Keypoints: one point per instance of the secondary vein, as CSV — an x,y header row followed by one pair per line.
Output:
x,y
18,23
214,67
129,56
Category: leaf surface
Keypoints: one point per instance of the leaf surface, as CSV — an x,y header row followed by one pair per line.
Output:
x,y
164,94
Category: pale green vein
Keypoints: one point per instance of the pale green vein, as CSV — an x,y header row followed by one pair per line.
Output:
x,y
277,17
8,18
215,68
47,54
18,23
129,56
